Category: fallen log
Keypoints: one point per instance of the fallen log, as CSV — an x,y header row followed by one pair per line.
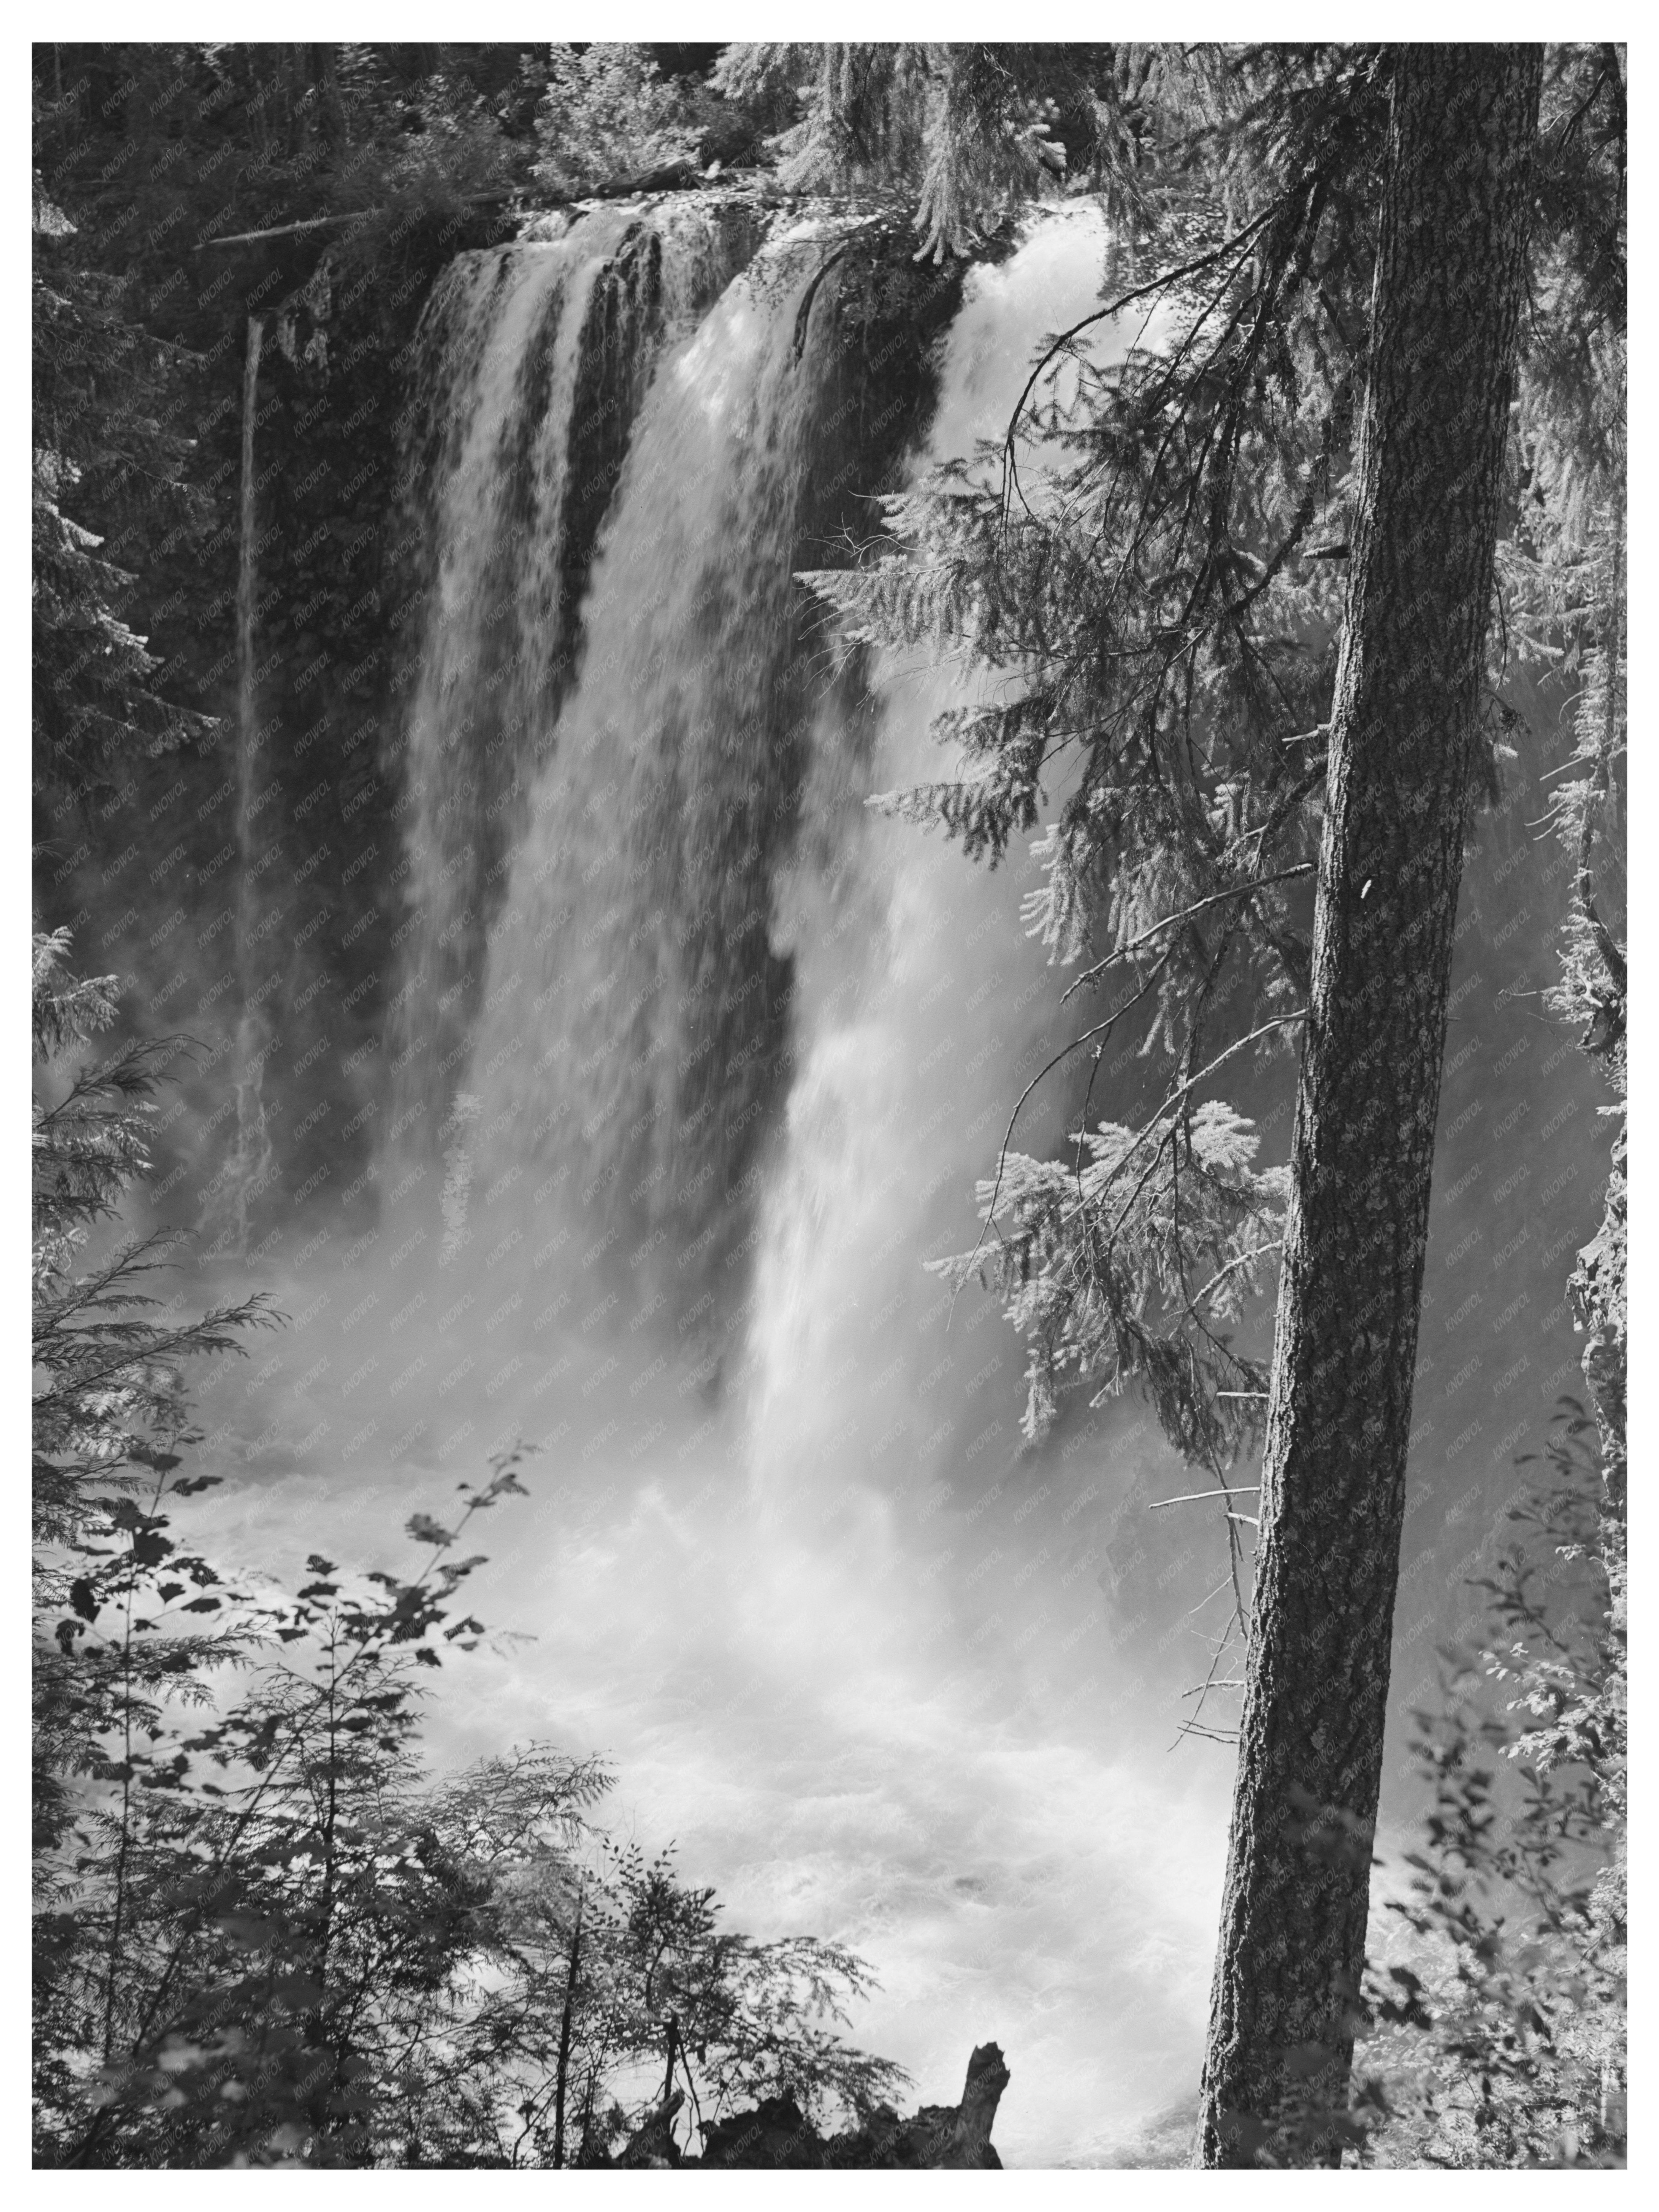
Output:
x,y
670,177
325,222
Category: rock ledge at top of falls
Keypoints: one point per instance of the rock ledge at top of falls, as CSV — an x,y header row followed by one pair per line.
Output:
x,y
774,2133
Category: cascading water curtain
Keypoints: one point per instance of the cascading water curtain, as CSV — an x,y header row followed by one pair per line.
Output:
x,y
532,361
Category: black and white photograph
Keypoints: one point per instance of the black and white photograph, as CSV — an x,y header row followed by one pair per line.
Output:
x,y
829,1009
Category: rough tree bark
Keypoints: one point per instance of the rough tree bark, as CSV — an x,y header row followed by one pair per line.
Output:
x,y
1444,313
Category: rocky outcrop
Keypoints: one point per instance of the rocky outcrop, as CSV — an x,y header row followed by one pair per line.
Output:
x,y
775,2134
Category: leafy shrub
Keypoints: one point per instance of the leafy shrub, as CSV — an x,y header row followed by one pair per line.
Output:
x,y
607,113
1501,2043
263,1934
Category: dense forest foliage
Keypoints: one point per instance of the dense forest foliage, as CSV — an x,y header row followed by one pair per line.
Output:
x,y
266,1932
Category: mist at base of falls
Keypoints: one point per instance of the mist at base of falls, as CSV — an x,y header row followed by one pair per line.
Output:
x,y
735,1050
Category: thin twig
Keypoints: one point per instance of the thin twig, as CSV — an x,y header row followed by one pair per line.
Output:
x,y
1203,1601
1256,1252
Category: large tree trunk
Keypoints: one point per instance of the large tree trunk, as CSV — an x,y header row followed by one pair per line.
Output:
x,y
1444,312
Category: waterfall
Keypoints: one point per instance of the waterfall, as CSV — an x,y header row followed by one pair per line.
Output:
x,y
720,1056
728,1055
634,1009
921,1005
249,1167
735,1052
531,363
632,1050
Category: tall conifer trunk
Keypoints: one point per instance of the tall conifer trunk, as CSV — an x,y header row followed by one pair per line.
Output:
x,y
1444,312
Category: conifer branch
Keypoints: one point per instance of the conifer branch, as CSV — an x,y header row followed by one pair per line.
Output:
x,y
1101,1029
1170,920
1238,1044
1157,284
